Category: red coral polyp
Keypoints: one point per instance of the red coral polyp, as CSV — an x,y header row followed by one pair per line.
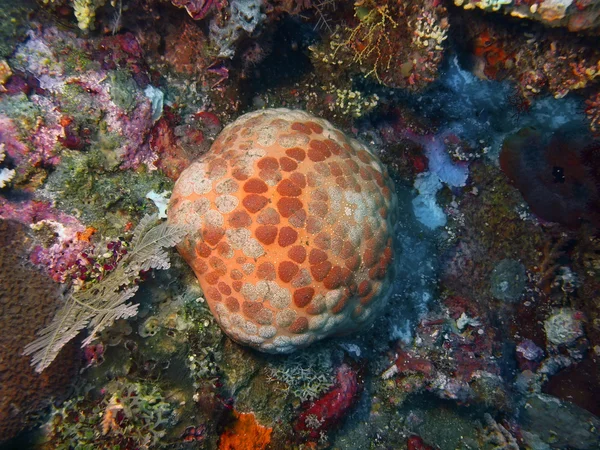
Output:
x,y
326,412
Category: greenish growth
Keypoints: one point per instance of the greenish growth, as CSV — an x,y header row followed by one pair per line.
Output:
x,y
205,338
14,23
307,374
123,90
82,185
563,327
79,104
126,415
508,280
76,60
23,111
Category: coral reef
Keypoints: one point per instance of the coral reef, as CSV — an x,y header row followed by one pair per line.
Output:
x,y
539,61
73,95
28,299
287,261
307,374
592,111
244,16
399,44
508,280
564,327
62,237
576,15
491,332
321,415
98,306
198,9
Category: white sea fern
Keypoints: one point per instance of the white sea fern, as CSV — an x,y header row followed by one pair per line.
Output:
x,y
99,306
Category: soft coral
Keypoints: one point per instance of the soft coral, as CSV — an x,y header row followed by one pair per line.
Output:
x,y
559,175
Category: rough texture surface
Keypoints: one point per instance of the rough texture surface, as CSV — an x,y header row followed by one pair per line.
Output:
x,y
294,225
28,300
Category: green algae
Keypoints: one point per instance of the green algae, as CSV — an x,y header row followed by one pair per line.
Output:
x,y
22,111
78,104
14,23
104,199
90,421
123,90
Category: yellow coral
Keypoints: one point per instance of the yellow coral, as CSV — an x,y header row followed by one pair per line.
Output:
x,y
85,12
369,37
428,33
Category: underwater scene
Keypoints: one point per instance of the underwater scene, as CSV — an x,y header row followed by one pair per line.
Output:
x,y
299,224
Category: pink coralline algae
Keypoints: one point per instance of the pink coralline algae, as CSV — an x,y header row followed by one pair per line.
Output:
x,y
42,150
177,141
125,52
46,135
16,150
62,253
461,337
113,97
407,362
134,126
417,443
326,412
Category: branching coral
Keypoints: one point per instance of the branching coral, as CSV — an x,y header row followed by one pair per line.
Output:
x,y
369,38
399,44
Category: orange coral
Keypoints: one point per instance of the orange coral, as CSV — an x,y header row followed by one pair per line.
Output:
x,y
245,434
293,230
87,234
493,55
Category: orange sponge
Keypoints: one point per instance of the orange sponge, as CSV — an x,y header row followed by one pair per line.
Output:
x,y
245,434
